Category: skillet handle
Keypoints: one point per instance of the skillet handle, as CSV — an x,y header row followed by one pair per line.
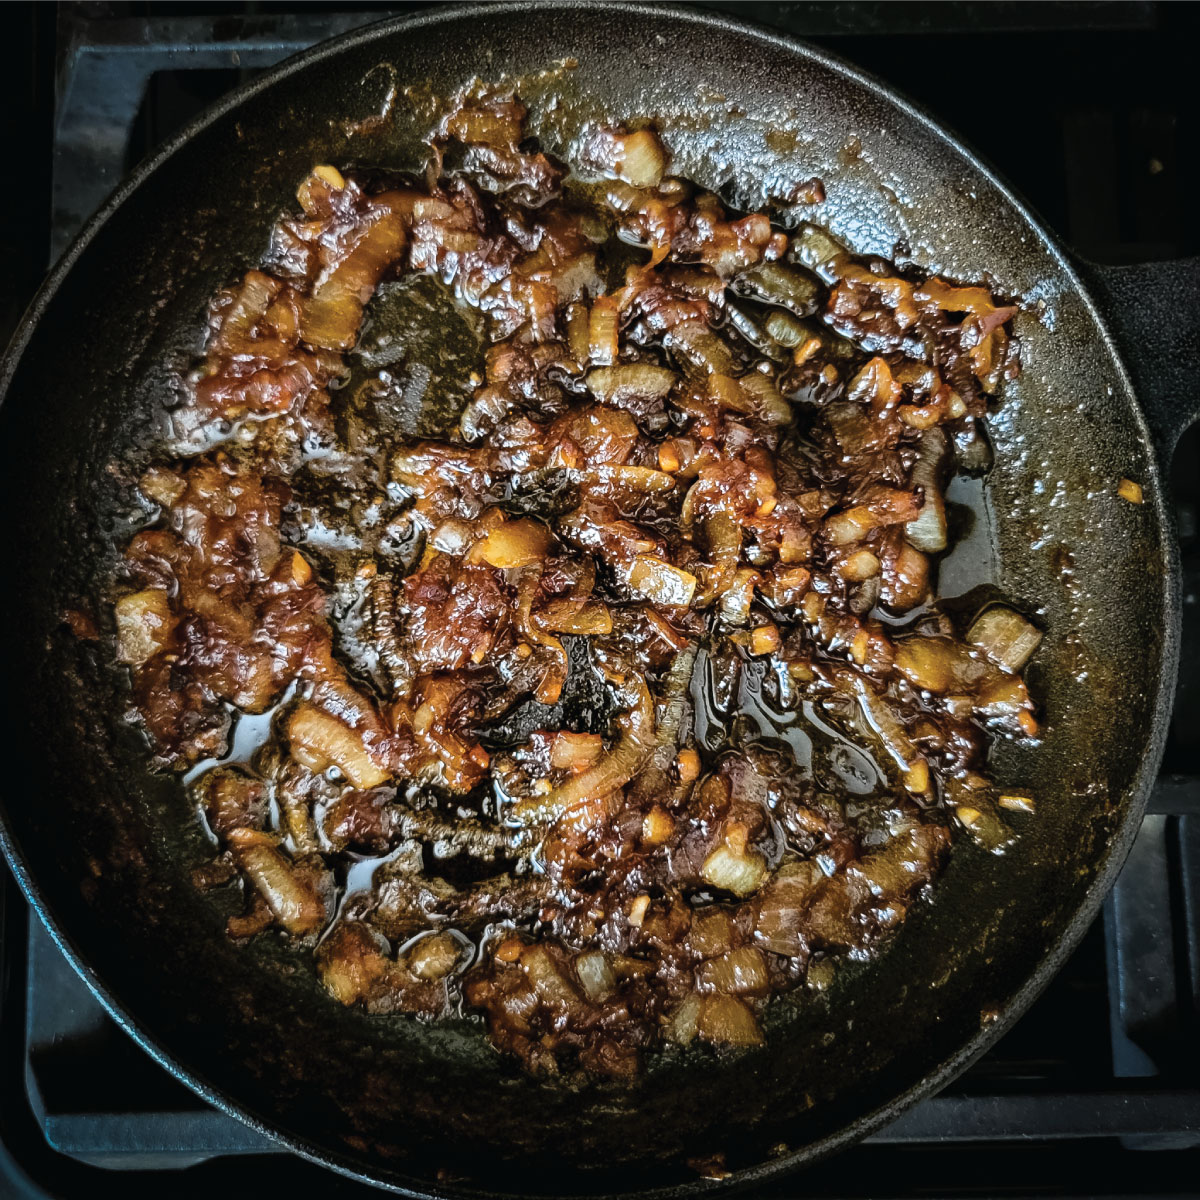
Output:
x,y
1153,310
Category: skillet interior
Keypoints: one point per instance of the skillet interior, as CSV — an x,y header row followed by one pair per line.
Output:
x,y
103,842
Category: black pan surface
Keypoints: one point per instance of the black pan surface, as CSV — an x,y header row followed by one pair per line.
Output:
x,y
102,847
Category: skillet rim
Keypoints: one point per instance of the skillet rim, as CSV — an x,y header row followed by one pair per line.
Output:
x,y
1134,799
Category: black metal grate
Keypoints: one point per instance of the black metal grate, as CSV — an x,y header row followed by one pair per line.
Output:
x,y
1103,138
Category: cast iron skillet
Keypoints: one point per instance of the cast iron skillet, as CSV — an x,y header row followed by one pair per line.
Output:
x,y
102,848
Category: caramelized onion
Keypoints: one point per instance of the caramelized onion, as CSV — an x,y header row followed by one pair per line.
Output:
x,y
603,331
767,402
293,903
595,975
786,330
618,766
1004,636
636,487
587,619
927,531
331,316
319,741
550,687
683,1024
636,479
741,972
782,284
699,350
144,625
661,582
974,808
882,721
630,384
727,1021
779,924
928,662
738,872
518,543
638,159
817,249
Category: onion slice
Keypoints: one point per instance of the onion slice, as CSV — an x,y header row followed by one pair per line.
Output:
x,y
294,904
628,383
658,580
330,318
783,284
144,625
551,686
319,740
627,757
1005,637
882,720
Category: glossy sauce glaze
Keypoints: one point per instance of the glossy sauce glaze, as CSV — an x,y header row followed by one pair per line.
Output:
x,y
539,596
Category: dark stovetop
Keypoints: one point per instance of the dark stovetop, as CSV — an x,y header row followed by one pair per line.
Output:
x,y
1090,110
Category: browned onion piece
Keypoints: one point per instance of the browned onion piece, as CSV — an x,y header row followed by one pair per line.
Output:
x,y
316,191
550,687
331,316
727,1021
637,158
859,566
627,756
576,320
249,306
741,972
596,976
723,537
576,751
352,961
817,249
974,808
754,333
932,663
603,331
927,531
883,723
661,582
737,598
518,543
782,284
699,350
731,870
1005,636
434,956
683,1024
783,903
768,403
786,330
568,616
636,479
625,385
293,903
853,525
144,625
641,160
